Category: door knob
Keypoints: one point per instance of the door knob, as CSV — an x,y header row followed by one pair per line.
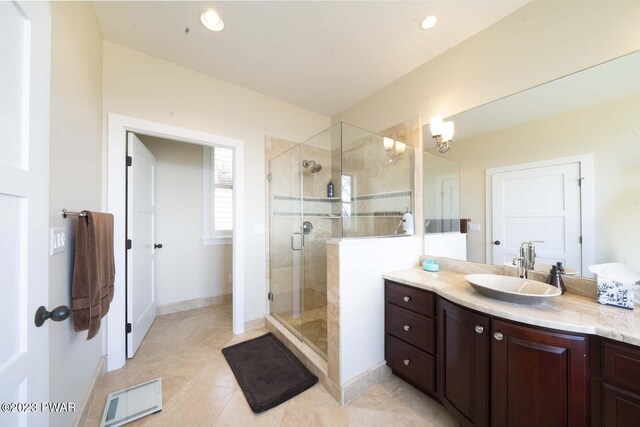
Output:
x,y
406,299
498,336
407,327
58,314
157,246
406,362
497,243
479,329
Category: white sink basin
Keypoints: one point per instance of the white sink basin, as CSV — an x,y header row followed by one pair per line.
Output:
x,y
512,289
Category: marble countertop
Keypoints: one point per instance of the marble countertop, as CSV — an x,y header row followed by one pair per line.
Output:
x,y
568,312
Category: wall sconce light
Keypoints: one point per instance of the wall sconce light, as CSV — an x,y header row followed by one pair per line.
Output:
x,y
442,133
394,149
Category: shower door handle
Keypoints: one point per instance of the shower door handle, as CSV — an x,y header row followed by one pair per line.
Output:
x,y
293,246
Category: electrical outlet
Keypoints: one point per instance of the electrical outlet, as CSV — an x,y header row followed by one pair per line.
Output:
x,y
58,240
474,227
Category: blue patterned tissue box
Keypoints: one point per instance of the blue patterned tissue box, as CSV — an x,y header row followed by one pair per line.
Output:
x,y
615,293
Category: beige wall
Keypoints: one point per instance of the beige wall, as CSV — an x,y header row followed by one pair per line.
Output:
x,y
609,131
75,184
539,42
185,268
141,86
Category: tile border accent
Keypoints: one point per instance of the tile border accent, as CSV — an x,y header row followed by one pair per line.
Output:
x,y
83,411
176,307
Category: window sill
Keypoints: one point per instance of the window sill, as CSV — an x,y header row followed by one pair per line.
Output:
x,y
217,241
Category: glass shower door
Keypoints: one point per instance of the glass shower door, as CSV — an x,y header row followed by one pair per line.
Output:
x,y
286,240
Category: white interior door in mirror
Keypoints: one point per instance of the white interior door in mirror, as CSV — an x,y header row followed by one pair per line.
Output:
x,y
25,39
543,204
141,296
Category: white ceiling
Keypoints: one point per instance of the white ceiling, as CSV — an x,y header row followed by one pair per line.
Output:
x,y
320,55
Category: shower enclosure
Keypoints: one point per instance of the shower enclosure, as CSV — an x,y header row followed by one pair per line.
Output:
x,y
372,179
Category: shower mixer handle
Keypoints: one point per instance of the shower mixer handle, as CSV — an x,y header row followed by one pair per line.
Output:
x,y
293,246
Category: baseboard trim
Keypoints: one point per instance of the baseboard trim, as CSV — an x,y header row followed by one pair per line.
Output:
x,y
176,307
359,384
250,325
83,411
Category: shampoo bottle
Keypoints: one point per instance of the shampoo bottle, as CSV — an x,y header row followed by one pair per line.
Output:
x,y
330,189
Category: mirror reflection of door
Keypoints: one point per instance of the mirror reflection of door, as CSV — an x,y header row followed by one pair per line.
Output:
x,y
537,204
449,202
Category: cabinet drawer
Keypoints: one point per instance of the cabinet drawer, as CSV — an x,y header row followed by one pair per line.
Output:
x,y
619,407
621,365
411,364
410,327
416,300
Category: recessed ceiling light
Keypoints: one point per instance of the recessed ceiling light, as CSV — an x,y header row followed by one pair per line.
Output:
x,y
428,22
212,20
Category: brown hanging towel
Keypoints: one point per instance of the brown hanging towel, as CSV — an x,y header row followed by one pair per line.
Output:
x,y
93,271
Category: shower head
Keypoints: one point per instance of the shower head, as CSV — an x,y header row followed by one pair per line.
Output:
x,y
315,167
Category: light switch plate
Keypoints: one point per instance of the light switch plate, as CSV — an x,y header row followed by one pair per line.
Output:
x,y
58,240
474,227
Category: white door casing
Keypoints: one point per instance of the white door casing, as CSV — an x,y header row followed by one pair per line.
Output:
x,y
25,58
141,296
118,126
541,201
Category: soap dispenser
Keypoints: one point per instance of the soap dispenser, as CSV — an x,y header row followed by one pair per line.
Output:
x,y
330,189
407,222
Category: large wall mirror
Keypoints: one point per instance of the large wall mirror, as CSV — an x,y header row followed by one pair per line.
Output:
x,y
558,164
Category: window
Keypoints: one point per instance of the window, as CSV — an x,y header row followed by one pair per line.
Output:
x,y
218,195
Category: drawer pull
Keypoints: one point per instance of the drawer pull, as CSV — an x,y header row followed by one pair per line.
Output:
x,y
498,336
406,362
479,329
407,327
406,299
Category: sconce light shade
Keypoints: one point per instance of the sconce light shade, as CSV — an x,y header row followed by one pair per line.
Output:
x,y
400,147
435,125
447,131
388,143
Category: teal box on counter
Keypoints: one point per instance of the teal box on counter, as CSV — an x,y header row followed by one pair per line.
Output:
x,y
430,264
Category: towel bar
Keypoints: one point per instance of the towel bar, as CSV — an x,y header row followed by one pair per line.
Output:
x,y
66,213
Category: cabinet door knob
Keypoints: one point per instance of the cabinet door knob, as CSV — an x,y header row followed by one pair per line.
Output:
x,y
407,327
406,362
406,299
498,336
479,329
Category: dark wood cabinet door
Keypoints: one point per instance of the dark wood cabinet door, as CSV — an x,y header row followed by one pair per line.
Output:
x,y
538,377
621,408
463,363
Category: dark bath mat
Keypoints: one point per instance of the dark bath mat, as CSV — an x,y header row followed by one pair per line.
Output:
x,y
268,373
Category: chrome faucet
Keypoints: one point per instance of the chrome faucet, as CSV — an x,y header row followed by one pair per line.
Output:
x,y
527,259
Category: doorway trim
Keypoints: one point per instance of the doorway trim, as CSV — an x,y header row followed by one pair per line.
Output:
x,y
117,127
586,203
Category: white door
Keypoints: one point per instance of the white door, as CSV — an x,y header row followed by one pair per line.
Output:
x,y
141,296
541,203
25,38
450,190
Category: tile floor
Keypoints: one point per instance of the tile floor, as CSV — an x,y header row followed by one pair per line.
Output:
x,y
199,389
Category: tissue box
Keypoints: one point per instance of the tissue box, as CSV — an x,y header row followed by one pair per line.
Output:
x,y
615,284
612,292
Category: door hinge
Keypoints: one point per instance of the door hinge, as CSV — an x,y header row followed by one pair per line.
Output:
x,y
269,177
270,296
128,328
129,243
129,161
580,239
580,182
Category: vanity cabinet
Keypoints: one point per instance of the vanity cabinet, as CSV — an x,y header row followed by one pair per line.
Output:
x,y
521,375
616,385
538,377
410,335
463,363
